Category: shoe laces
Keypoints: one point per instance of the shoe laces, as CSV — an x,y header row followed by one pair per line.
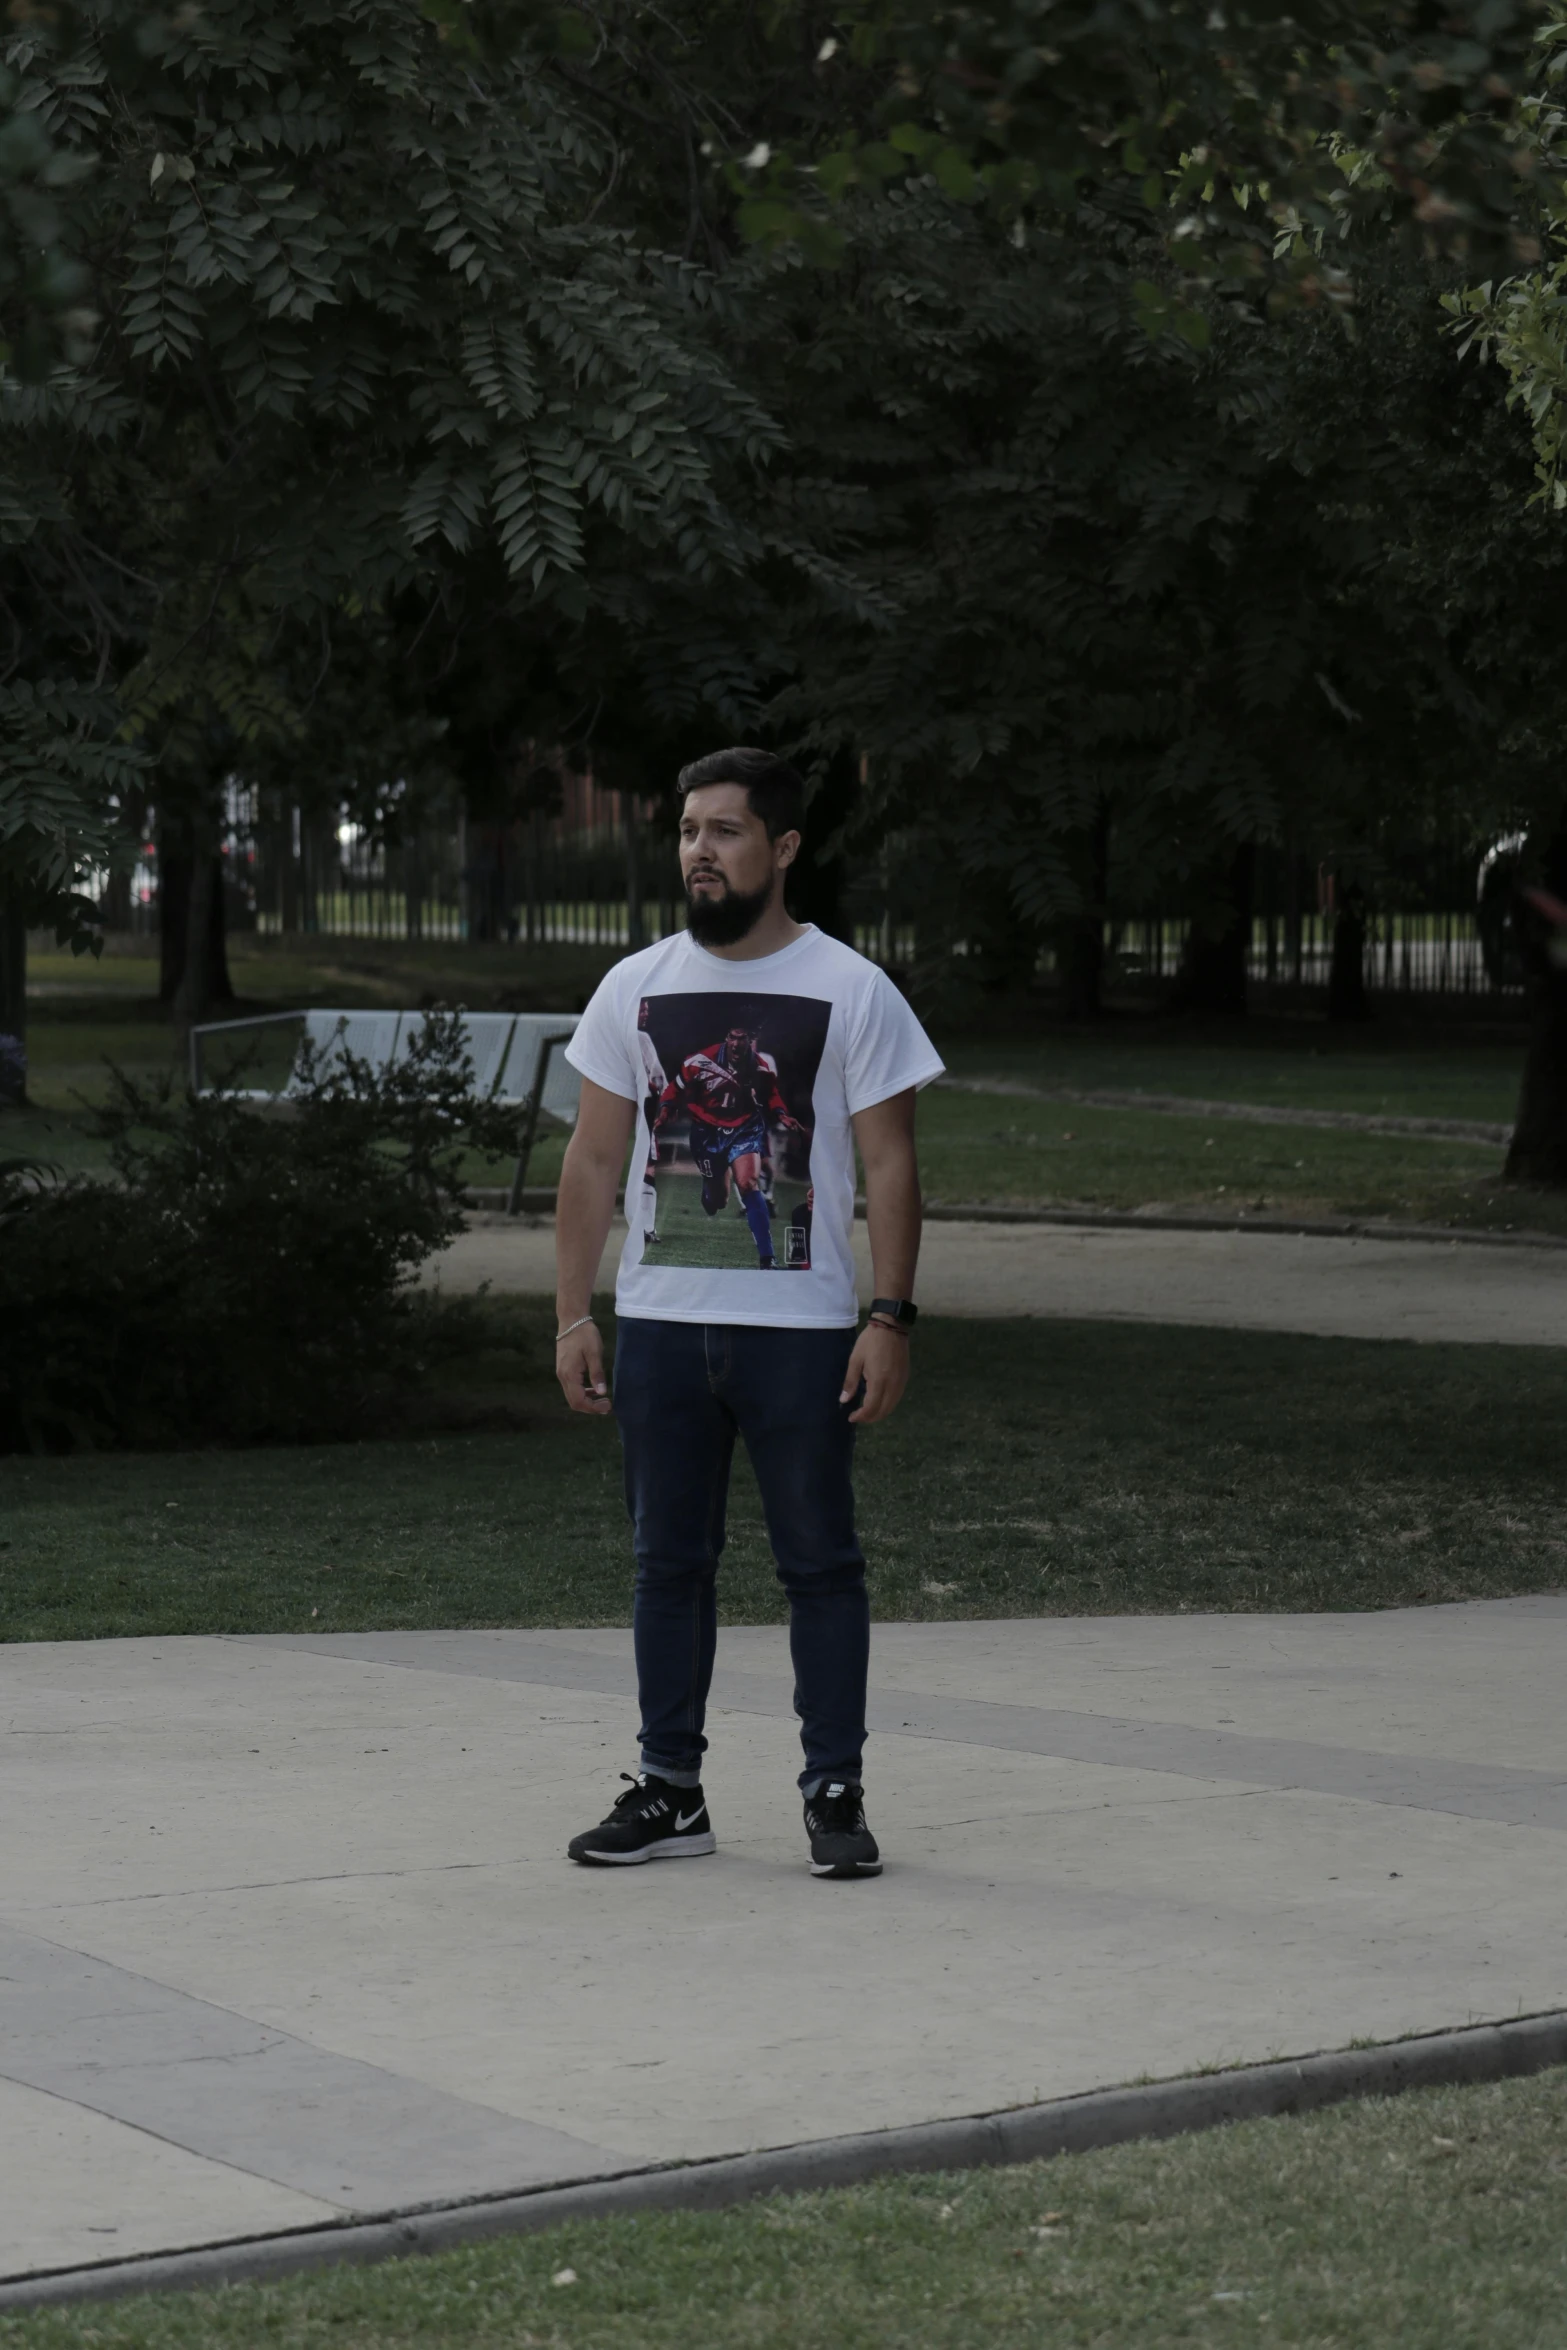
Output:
x,y
638,1796
841,1808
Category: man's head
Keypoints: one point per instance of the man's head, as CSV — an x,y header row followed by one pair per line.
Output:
x,y
740,1045
642,1013
740,824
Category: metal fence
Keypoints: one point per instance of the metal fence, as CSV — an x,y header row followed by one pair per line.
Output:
x,y
541,881
1404,954
603,874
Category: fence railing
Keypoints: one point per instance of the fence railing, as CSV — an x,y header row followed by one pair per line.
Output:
x,y
540,884
1404,953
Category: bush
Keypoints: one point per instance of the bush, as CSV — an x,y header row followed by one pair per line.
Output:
x,y
245,1276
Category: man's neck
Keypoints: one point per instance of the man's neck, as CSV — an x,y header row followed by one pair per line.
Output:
x,y
771,931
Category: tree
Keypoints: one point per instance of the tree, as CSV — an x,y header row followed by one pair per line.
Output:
x,y
360,343
1251,139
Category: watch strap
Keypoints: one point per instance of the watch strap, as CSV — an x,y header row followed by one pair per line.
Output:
x,y
901,1310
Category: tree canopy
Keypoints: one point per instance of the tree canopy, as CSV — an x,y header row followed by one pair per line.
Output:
x,y
358,338
961,397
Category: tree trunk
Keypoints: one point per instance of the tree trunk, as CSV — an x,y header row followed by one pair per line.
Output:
x,y
1538,1153
413,886
311,862
288,865
13,998
115,904
1082,956
1212,977
190,906
1080,951
636,927
173,912
535,859
1347,997
816,876
193,994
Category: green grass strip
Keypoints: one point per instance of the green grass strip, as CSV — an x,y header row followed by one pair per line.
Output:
x,y
1036,1468
1433,2221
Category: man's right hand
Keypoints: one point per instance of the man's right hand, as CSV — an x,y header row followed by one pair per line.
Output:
x,y
579,1366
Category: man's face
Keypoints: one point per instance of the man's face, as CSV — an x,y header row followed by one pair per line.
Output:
x,y
741,1044
724,849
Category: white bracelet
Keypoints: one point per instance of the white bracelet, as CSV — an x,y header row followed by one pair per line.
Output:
x,y
570,1326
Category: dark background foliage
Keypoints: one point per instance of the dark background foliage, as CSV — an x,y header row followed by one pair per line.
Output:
x,y
243,1277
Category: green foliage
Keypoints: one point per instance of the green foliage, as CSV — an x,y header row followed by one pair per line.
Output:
x,y
358,323
1520,321
61,771
242,1278
440,408
1248,140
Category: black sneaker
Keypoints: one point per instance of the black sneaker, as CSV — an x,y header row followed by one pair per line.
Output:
x,y
651,1821
841,1843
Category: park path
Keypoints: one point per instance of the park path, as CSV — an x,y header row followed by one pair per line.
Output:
x,y
288,1933
1330,1287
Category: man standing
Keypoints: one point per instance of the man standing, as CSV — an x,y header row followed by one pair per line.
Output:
x,y
713,1345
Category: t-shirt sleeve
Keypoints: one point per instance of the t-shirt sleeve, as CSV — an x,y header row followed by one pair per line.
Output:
x,y
601,1045
888,1049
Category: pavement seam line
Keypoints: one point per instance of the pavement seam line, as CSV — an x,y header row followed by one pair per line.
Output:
x,y
1444,1785
128,2084
1469,2056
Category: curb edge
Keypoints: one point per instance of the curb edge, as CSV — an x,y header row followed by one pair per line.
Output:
x,y
1069,2125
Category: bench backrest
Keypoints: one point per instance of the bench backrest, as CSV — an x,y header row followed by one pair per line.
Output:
x,y
503,1047
562,1083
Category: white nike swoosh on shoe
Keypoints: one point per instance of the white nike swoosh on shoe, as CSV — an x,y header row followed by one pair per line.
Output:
x,y
684,1820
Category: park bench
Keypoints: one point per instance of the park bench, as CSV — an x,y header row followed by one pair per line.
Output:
x,y
518,1059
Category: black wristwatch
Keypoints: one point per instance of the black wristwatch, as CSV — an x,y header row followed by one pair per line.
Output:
x,y
902,1312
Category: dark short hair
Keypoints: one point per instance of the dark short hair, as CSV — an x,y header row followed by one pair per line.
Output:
x,y
775,791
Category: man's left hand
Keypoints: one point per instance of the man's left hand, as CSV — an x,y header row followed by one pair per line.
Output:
x,y
881,1359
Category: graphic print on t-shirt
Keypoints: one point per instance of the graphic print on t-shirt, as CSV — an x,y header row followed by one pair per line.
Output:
x,y
729,1153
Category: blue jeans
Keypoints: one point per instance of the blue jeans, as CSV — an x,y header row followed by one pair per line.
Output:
x,y
683,1392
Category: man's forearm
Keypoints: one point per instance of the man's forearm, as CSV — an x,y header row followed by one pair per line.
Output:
x,y
893,1217
584,1210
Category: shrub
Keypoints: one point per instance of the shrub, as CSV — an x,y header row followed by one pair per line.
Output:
x,y
245,1276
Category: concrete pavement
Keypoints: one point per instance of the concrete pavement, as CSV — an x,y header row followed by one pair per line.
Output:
x,y
288,1933
1330,1288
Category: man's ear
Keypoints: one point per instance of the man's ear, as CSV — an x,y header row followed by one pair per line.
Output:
x,y
788,847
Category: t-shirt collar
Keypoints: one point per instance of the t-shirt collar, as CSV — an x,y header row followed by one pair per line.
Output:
x,y
753,963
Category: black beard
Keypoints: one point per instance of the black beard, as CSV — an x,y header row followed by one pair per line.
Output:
x,y
722,921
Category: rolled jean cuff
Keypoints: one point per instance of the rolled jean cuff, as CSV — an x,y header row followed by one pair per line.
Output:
x,y
665,1771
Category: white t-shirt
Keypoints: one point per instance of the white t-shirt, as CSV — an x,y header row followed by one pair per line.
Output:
x,y
765,1063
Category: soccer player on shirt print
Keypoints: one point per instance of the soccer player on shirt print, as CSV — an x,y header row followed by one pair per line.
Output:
x,y
731,1095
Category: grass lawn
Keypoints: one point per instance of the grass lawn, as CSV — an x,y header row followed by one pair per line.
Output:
x,y
1432,2221
1392,1067
974,1148
1037,1468
1008,1149
1003,1149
